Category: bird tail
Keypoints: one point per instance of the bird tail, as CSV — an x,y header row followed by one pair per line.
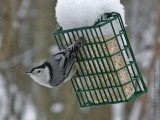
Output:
x,y
76,46
79,42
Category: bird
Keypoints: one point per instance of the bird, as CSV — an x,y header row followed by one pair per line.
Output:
x,y
59,68
80,13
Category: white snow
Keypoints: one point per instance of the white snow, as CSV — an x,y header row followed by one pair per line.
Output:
x,y
3,99
21,103
144,57
80,13
148,35
135,113
22,13
0,40
16,24
29,111
57,107
118,111
18,103
27,57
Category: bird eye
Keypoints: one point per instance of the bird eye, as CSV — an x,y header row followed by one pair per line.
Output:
x,y
38,71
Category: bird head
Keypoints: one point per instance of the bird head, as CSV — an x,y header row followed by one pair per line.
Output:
x,y
40,74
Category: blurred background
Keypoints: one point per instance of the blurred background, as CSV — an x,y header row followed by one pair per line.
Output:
x,y
26,40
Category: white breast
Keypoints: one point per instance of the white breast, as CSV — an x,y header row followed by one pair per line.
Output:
x,y
42,78
40,81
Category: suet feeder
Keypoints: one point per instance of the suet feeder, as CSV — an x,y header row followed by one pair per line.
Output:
x,y
107,71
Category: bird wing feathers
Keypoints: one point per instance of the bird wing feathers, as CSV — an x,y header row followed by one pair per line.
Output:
x,y
62,63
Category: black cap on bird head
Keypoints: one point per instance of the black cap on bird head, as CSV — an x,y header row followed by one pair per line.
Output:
x,y
40,67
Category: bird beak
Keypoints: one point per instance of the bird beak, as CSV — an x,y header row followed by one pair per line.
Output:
x,y
27,73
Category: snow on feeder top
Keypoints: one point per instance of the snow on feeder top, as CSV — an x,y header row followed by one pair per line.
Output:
x,y
107,71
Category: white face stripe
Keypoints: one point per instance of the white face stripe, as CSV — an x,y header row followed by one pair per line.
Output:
x,y
42,78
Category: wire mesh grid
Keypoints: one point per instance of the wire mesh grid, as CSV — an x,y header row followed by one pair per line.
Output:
x,y
107,71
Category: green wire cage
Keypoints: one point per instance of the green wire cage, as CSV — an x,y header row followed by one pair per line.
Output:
x,y
106,69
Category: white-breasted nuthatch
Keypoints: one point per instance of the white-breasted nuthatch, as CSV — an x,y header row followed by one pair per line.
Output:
x,y
58,68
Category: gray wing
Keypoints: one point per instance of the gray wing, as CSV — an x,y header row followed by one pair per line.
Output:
x,y
62,64
63,61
